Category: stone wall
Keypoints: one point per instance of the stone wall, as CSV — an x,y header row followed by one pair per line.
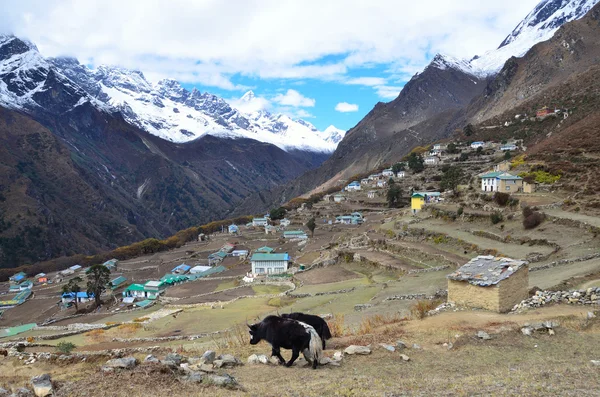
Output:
x,y
513,290
464,294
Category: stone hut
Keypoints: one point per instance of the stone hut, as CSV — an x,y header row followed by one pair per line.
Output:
x,y
489,282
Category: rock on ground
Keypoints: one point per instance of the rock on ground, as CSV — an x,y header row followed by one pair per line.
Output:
x,y
338,356
42,385
258,359
23,392
355,349
226,360
151,359
388,347
209,356
405,357
483,335
400,345
125,362
224,380
174,357
4,392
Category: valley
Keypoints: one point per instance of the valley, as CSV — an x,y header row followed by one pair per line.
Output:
x,y
449,240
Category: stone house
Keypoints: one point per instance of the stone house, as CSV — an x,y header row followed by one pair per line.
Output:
x,y
489,282
501,182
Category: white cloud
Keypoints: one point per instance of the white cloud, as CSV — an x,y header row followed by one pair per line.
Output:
x,y
268,39
294,98
346,107
368,81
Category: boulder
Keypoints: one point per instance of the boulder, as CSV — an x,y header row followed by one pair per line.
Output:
x,y
388,347
551,332
226,360
404,357
42,385
338,356
527,331
4,392
194,377
224,380
400,345
125,362
209,356
355,349
595,362
590,315
174,357
483,335
416,347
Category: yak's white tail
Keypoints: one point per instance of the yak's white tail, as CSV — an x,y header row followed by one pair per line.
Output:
x,y
315,346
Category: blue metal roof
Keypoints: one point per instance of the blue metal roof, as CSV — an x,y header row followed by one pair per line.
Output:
x,y
183,267
82,294
270,257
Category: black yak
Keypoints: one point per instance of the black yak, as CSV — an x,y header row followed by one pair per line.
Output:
x,y
316,322
288,334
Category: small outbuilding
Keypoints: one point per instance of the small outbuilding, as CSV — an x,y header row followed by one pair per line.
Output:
x,y
489,282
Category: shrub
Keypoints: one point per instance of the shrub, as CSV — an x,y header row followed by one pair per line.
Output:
x,y
533,219
421,307
336,325
496,217
501,198
65,347
460,211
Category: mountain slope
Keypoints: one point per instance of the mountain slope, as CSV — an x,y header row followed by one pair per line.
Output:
x,y
173,113
78,177
573,49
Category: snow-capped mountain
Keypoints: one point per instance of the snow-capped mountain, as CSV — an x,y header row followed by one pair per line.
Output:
x,y
165,109
539,25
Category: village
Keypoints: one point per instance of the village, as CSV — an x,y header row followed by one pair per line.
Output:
x,y
370,262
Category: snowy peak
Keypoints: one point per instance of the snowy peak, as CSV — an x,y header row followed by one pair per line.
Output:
x,y
333,135
444,62
539,25
549,15
248,97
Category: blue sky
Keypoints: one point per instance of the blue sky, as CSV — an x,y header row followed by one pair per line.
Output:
x,y
303,58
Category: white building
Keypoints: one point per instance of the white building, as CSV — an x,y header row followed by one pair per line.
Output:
x,y
371,194
477,144
269,263
260,221
338,198
432,160
387,172
199,269
381,183
400,174
285,222
354,186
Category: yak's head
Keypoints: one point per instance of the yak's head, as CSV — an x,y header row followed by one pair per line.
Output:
x,y
254,337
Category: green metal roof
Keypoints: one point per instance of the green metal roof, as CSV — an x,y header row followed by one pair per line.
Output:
x,y
264,249
270,257
144,303
118,281
173,278
494,174
509,177
135,287
294,232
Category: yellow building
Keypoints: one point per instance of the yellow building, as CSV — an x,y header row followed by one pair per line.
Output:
x,y
419,199
491,283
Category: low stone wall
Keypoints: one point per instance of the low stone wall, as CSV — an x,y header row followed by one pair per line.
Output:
x,y
590,296
563,262
306,295
438,295
429,270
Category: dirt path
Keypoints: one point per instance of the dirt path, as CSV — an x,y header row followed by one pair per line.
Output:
x,y
590,220
459,260
386,260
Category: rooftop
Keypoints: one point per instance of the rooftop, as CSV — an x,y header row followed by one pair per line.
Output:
x,y
265,249
270,257
423,194
487,270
